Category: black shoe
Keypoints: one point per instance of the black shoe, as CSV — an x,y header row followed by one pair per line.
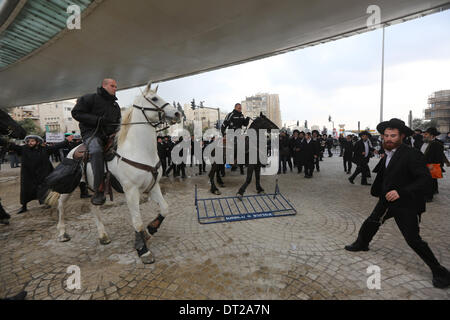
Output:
x,y
19,296
22,210
365,184
348,172
261,190
355,246
98,199
351,180
441,279
318,169
4,221
3,214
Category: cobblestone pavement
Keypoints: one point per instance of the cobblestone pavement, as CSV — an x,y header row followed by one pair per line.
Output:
x,y
296,257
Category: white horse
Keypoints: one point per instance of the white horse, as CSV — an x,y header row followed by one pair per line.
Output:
x,y
136,166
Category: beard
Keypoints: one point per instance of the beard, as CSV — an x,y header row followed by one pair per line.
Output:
x,y
391,145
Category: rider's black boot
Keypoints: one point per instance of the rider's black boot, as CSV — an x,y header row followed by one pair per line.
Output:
x,y
98,169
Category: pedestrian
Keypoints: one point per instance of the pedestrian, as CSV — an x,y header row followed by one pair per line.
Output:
x,y
347,148
235,120
297,147
162,154
329,143
309,155
342,141
284,152
316,140
14,161
35,167
361,157
433,151
401,185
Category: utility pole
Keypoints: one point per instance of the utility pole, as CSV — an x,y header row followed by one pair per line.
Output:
x,y
382,80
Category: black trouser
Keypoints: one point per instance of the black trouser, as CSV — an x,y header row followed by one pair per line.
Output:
x,y
309,167
181,167
363,168
163,164
329,152
347,164
435,186
250,169
202,166
407,222
282,162
316,162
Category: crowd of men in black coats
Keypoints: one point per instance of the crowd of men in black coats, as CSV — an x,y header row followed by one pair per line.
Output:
x,y
304,151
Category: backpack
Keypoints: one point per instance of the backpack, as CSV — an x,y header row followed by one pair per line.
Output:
x,y
66,176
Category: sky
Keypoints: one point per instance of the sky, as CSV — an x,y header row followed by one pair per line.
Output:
x,y
341,79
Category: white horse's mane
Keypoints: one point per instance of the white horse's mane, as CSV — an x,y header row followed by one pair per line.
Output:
x,y
126,119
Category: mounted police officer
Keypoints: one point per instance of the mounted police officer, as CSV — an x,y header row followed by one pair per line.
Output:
x,y
99,116
235,120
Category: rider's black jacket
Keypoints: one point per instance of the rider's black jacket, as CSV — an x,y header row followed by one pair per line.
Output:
x,y
91,107
234,120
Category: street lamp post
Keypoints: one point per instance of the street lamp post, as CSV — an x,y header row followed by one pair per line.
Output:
x,y
382,80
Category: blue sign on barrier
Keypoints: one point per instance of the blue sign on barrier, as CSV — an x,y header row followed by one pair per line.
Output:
x,y
228,209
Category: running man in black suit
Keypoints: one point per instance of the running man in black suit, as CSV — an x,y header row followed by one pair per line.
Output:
x,y
401,184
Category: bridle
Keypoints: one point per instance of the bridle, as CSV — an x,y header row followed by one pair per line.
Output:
x,y
160,110
161,115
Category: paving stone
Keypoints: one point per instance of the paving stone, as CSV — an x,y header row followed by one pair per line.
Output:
x,y
296,257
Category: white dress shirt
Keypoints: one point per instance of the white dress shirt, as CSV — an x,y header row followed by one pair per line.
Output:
x,y
424,147
366,148
389,155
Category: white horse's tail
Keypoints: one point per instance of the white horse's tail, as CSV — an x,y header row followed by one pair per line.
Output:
x,y
52,198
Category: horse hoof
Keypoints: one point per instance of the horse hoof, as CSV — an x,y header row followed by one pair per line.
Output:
x,y
104,240
147,258
64,238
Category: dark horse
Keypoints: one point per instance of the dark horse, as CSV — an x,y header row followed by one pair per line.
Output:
x,y
9,127
259,123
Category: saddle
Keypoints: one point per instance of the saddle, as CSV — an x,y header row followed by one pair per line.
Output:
x,y
82,152
109,152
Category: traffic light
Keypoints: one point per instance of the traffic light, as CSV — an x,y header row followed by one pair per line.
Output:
x,y
329,118
193,104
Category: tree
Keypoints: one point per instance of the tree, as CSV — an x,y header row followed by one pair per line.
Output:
x,y
30,127
423,124
190,127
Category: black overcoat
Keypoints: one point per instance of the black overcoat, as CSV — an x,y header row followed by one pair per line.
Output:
x,y
36,166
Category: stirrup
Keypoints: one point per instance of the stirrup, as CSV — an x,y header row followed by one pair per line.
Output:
x,y
152,230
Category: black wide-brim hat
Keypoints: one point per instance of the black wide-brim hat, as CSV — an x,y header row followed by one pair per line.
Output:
x,y
395,123
316,131
298,131
365,132
433,131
